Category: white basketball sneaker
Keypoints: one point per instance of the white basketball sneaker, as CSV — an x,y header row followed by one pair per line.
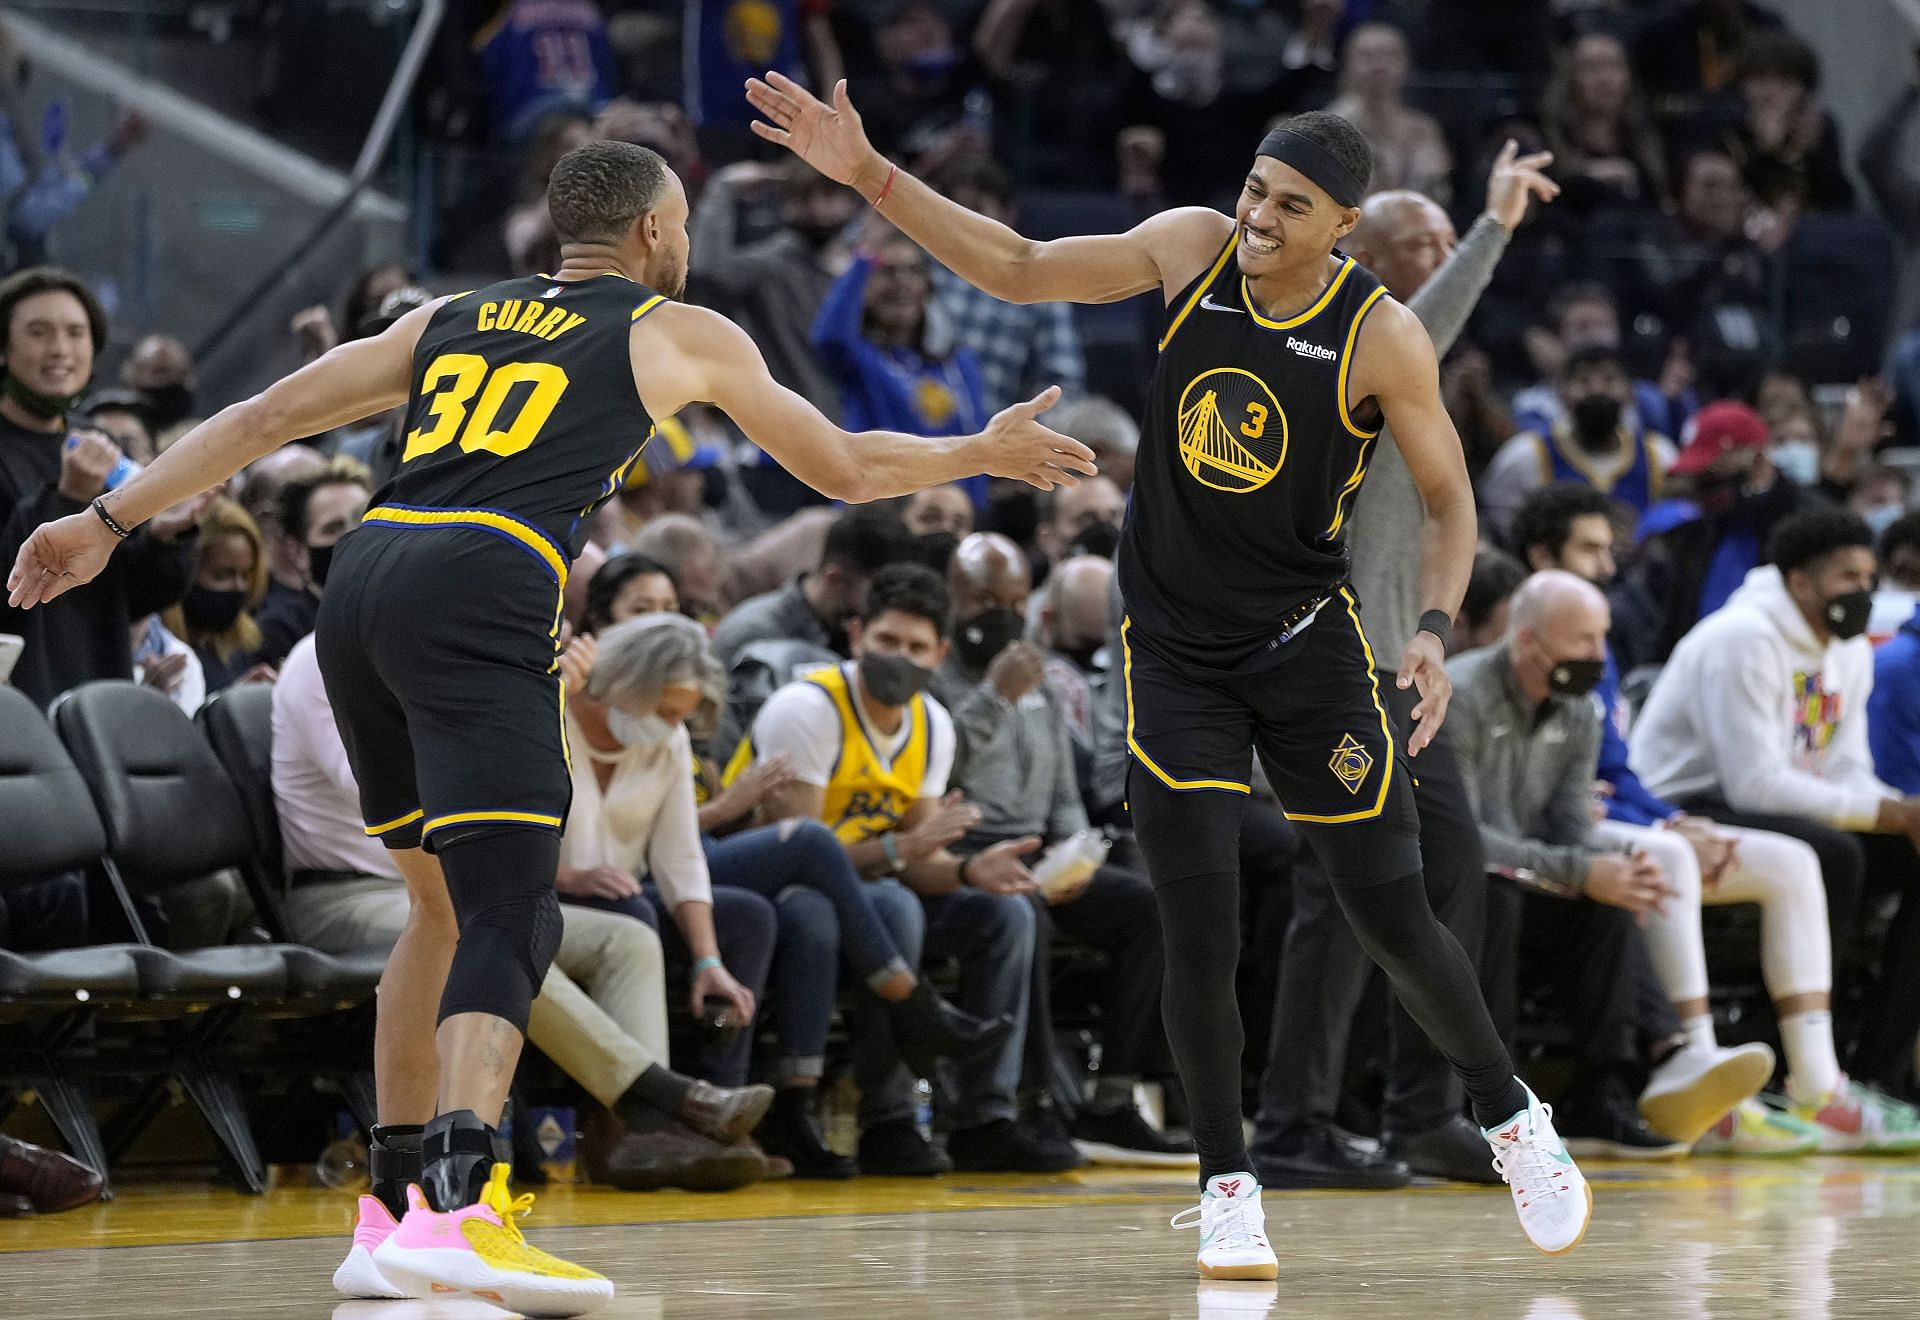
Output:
x,y
1233,1230
1549,1193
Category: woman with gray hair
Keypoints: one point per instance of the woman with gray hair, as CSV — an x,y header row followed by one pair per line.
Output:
x,y
643,683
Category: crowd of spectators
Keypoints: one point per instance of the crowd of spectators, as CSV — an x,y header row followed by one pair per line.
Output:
x,y
824,758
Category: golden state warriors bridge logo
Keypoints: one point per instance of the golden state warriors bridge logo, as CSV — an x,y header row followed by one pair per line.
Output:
x,y
1351,763
1233,435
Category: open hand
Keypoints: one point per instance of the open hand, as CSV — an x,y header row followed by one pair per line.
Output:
x,y
1423,665
999,869
1016,445
58,557
1516,178
829,138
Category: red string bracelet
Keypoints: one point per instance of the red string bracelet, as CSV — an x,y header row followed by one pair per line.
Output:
x,y
886,187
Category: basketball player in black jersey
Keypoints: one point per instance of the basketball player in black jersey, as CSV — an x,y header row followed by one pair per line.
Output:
x,y
1281,361
527,403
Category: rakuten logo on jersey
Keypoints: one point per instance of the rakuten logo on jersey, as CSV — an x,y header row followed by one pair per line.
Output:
x,y
1316,351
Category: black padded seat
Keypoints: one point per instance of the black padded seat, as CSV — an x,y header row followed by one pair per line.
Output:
x,y
69,975
311,972
255,970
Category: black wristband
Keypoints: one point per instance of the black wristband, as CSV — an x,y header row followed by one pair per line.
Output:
x,y
962,872
1439,624
113,524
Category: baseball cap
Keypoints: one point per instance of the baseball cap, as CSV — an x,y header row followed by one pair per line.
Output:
x,y
1717,430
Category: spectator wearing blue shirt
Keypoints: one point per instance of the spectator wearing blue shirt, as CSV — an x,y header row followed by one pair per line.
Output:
x,y
1569,526
1893,708
892,351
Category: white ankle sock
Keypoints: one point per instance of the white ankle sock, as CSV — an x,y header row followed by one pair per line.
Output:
x,y
1700,1032
1812,1068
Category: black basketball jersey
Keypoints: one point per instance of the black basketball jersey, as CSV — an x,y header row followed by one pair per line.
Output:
x,y
523,403
1248,466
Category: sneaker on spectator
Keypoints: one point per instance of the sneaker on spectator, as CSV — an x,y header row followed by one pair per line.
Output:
x,y
1858,1120
1760,1130
1698,1085
1122,1136
1004,1146
897,1150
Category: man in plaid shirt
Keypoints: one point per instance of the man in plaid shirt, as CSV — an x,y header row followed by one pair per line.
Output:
x,y
1021,349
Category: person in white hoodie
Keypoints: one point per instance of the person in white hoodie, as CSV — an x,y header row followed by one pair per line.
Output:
x,y
1759,720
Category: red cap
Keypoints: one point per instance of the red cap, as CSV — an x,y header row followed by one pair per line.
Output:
x,y
1719,429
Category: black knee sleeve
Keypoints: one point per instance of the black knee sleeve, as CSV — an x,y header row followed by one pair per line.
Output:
x,y
1184,834
501,885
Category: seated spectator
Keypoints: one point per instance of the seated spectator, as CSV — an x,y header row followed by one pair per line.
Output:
x,y
1879,495
1786,143
537,58
1569,527
1409,150
160,370
892,348
1692,50
1760,719
681,544
1106,428
215,615
123,417
1014,761
260,484
1899,589
625,587
938,518
601,1014
1705,272
317,331
918,97
1597,446
1893,708
52,326
1528,738
1606,151
312,513
1483,614
1022,348
1081,519
1580,315
870,755
816,607
1187,129
1076,633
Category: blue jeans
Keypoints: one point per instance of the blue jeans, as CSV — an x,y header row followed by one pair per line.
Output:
x,y
992,937
744,927
827,915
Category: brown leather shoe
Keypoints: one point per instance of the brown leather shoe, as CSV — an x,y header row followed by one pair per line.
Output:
x,y
676,1157
50,1180
13,1207
725,1114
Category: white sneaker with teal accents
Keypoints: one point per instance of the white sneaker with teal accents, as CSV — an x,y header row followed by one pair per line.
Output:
x,y
1549,1193
1233,1230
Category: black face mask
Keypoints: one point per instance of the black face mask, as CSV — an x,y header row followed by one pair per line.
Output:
x,y
816,235
1847,614
934,549
168,404
209,611
893,680
1596,417
1082,653
48,406
987,634
1101,540
319,560
1575,678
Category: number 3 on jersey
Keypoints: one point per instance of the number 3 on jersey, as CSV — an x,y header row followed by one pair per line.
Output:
x,y
451,382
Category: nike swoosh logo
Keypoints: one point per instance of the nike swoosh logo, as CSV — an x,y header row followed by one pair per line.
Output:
x,y
1207,302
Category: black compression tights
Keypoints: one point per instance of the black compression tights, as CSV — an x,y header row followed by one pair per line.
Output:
x,y
1190,841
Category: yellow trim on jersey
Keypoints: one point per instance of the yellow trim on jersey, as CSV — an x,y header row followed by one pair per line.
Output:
x,y
1253,310
1386,731
1359,475
1346,363
494,817
375,831
648,305
1181,785
1603,479
1213,273
391,516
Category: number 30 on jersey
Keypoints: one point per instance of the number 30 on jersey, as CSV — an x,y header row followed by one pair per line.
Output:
x,y
451,382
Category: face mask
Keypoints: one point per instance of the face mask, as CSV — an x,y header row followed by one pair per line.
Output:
x,y
646,732
987,634
892,680
1596,417
1847,614
1797,460
1100,540
1882,518
40,405
932,64
1575,678
209,611
319,560
936,548
168,404
1082,653
815,234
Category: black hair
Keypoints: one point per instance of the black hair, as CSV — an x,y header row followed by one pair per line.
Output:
x,y
1338,138
1901,532
604,588
1806,538
1781,55
361,304
976,173
865,540
1496,576
297,495
1571,294
24,284
1546,517
1592,355
598,190
909,589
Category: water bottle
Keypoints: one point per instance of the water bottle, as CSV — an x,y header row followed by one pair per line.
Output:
x,y
343,1164
1071,861
123,471
923,1108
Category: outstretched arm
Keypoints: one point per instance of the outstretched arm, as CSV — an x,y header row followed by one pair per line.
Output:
x,y
1165,252
685,355
354,380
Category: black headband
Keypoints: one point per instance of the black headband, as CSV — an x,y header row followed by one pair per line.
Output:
x,y
1316,162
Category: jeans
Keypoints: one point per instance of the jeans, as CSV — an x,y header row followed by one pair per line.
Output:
x,y
992,936
827,915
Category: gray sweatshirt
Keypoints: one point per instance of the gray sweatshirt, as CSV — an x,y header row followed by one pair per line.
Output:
x,y
1388,512
1529,770
1014,762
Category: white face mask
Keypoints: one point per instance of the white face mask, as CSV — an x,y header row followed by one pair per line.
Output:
x,y
1797,460
646,732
